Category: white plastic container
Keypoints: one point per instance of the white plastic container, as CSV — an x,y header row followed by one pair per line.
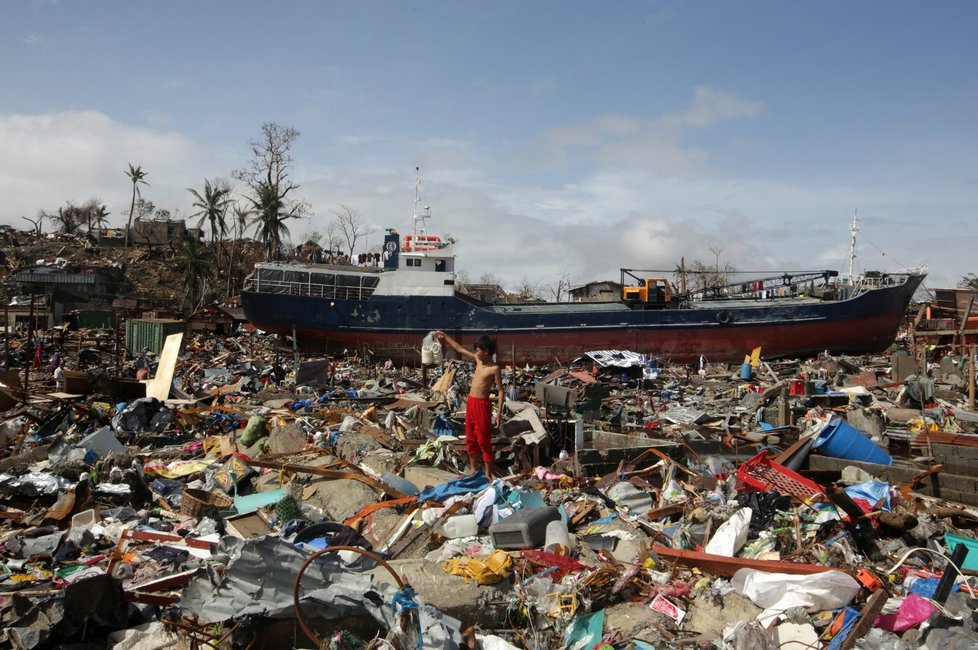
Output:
x,y
460,526
558,540
427,355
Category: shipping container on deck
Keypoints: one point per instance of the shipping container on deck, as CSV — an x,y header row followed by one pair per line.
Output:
x,y
150,333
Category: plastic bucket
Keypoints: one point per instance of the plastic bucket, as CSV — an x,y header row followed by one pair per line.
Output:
x,y
745,371
839,439
427,355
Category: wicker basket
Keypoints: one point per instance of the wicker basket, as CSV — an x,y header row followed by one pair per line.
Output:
x,y
194,501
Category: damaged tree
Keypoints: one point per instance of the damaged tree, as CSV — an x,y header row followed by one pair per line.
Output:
x,y
267,177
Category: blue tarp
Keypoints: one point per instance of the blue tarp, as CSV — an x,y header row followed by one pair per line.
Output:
x,y
464,485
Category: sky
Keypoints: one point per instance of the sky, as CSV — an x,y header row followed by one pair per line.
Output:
x,y
556,138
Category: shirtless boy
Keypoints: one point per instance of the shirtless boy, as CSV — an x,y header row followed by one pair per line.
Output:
x,y
479,420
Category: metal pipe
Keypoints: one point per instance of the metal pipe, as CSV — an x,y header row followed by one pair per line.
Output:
x,y
305,565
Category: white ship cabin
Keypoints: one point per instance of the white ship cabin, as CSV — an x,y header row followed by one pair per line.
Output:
x,y
420,271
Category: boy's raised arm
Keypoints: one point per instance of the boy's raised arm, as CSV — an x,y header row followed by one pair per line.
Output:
x,y
445,338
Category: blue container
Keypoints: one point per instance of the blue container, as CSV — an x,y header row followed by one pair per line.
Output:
x,y
745,371
971,559
839,439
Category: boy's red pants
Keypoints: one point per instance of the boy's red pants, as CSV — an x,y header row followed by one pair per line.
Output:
x,y
478,428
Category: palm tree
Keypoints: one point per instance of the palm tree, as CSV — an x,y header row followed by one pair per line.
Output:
x,y
241,217
196,268
137,176
213,206
270,216
99,219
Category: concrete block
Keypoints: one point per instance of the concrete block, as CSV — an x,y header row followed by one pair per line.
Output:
x,y
870,423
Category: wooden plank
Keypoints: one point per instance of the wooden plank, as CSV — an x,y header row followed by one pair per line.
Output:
x,y
666,511
866,619
721,565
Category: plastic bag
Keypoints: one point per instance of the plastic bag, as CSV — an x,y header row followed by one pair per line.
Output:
x,y
731,535
776,592
913,611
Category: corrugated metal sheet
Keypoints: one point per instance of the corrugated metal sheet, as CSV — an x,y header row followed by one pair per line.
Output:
x,y
150,333
56,278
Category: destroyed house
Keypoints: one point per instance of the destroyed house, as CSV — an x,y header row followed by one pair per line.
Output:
x,y
212,319
70,287
21,314
490,293
156,232
596,291
951,318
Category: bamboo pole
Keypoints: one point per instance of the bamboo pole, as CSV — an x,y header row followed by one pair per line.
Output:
x,y
971,378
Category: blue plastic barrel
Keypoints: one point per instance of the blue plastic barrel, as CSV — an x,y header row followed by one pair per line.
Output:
x,y
745,371
839,439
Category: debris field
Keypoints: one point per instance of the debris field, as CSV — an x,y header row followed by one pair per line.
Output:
x,y
244,495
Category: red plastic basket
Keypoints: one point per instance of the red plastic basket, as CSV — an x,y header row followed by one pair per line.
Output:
x,y
764,475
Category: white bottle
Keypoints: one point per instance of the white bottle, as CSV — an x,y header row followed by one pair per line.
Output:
x,y
460,526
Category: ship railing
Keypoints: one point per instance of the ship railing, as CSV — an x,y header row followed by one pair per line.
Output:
x,y
361,291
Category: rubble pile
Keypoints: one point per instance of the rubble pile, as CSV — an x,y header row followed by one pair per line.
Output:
x,y
245,496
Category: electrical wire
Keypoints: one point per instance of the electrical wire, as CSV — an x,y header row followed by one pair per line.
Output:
x,y
966,579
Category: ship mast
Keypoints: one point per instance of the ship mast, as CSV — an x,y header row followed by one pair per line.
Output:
x,y
421,213
853,229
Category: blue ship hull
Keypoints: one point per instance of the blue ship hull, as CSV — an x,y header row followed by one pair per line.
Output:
x,y
394,326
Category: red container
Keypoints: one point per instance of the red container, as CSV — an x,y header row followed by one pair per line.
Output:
x,y
797,387
764,475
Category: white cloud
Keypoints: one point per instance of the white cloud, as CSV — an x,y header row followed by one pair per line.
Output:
x,y
651,143
711,106
74,156
34,40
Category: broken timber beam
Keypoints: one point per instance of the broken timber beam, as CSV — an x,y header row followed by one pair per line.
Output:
x,y
872,609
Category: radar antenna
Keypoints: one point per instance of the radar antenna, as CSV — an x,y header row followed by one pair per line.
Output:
x,y
853,229
421,212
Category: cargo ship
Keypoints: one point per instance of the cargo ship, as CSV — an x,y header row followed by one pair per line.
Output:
x,y
385,308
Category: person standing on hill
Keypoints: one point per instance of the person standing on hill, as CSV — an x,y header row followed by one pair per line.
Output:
x,y
479,419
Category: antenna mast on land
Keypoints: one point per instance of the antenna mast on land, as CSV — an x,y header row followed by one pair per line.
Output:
x,y
853,229
421,213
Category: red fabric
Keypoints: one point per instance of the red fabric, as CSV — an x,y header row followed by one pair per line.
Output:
x,y
478,428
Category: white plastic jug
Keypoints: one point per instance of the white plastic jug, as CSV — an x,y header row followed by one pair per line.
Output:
x,y
436,352
460,526
427,355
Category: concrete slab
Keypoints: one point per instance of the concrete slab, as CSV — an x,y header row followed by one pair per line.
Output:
x,y
423,476
631,618
708,617
287,440
469,602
